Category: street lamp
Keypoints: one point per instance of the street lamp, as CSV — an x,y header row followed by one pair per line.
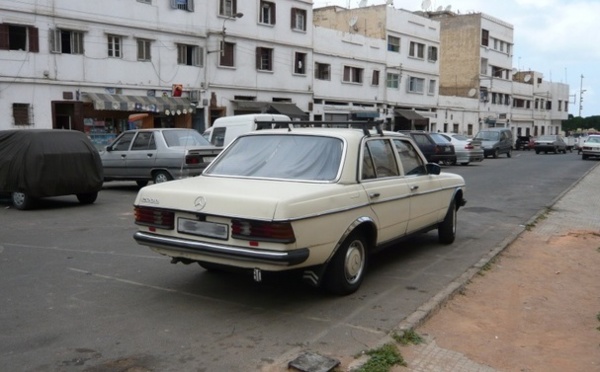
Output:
x,y
222,46
581,91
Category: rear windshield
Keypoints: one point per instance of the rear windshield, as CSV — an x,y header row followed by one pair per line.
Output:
x,y
293,157
184,137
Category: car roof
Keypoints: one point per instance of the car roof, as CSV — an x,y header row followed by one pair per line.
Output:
x,y
344,133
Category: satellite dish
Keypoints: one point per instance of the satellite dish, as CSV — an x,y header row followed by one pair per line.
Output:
x,y
353,21
425,4
527,78
439,8
472,92
448,8
362,3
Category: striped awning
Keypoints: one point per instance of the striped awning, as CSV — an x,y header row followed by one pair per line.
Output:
x,y
119,102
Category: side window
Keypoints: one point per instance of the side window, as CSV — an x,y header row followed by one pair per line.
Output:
x,y
218,136
383,159
123,143
144,141
412,164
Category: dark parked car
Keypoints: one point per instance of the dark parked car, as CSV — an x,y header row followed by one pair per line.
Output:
x,y
436,148
37,163
524,143
157,155
550,143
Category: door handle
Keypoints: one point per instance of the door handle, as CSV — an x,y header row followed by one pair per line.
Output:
x,y
374,195
414,187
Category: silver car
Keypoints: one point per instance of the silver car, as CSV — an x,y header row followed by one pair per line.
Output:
x,y
467,150
157,154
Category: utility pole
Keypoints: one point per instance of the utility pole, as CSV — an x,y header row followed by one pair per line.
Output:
x,y
581,91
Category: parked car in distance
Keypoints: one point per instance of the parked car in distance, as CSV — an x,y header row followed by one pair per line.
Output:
x,y
315,200
591,147
524,143
39,163
157,154
436,150
495,141
467,150
550,143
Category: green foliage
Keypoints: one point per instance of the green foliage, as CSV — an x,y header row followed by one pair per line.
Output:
x,y
382,359
573,124
408,337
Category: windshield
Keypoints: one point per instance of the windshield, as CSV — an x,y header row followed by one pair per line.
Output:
x,y
488,136
546,138
184,137
438,138
285,156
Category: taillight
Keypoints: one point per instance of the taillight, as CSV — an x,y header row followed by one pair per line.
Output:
x,y
280,232
437,149
154,217
468,146
193,159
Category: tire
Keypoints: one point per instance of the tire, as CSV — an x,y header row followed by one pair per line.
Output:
x,y
509,153
162,176
22,201
447,228
467,163
141,183
584,157
495,153
87,198
555,150
347,268
537,152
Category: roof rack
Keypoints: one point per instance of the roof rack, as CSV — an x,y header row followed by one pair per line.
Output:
x,y
365,125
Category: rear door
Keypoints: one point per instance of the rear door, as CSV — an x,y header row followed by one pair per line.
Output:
x,y
114,161
142,155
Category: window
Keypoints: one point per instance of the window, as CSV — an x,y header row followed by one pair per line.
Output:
x,y
298,19
322,71
432,54
393,44
353,75
190,55
183,5
393,81
417,50
375,78
227,55
432,86
145,1
21,114
416,85
15,37
300,63
227,7
114,46
66,41
143,50
267,13
264,59
144,141
485,37
498,72
409,158
379,160
484,66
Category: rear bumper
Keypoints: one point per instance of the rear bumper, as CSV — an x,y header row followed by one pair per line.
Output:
x,y
175,245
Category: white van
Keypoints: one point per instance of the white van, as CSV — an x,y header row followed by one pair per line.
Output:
x,y
227,128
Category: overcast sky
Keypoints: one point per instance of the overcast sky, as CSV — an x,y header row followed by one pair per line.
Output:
x,y
559,38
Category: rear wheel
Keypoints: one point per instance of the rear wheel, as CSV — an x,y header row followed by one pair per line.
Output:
x,y
347,267
22,201
496,153
87,198
162,176
447,228
509,153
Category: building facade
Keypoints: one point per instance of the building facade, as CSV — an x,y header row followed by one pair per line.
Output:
x,y
184,63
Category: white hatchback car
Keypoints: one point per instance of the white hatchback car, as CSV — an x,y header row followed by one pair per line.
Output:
x,y
319,200
591,147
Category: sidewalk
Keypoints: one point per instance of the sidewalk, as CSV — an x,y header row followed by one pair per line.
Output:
x,y
533,304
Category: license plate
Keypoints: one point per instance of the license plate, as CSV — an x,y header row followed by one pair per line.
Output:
x,y
203,228
447,149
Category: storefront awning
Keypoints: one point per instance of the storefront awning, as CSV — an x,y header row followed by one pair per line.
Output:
x,y
409,114
119,102
283,108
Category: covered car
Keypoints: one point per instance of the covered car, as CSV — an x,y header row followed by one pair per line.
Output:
x,y
38,163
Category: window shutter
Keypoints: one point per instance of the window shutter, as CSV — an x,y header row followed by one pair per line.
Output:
x,y
190,5
4,37
34,40
258,49
174,4
273,13
293,20
54,38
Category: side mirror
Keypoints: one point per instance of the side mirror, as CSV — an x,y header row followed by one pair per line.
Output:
x,y
433,168
108,148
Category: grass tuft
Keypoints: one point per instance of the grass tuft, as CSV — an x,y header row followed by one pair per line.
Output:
x,y
382,359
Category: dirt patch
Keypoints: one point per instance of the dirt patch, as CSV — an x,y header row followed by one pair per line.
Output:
x,y
535,308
